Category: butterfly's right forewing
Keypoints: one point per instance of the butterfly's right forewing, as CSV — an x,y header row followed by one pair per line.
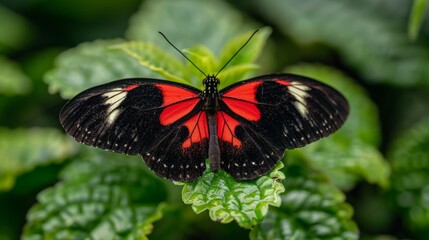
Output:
x,y
162,121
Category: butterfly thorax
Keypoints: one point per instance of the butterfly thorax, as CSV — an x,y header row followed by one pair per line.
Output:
x,y
211,94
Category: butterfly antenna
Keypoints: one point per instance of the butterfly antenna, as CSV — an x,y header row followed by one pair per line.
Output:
x,y
235,54
183,54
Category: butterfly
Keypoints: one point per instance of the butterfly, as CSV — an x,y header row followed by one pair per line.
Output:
x,y
243,129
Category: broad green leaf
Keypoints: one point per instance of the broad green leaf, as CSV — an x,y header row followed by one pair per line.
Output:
x,y
226,199
354,148
187,23
243,63
15,31
161,62
21,150
155,59
91,64
311,208
204,59
250,52
376,47
416,18
236,73
12,79
409,155
101,197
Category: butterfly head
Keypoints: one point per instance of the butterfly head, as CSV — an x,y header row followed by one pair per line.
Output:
x,y
210,93
211,81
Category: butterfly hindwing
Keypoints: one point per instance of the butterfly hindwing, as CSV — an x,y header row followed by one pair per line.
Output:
x,y
160,120
271,113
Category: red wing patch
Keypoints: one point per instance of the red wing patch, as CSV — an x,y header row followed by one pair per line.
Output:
x,y
178,102
198,129
246,92
177,110
242,99
130,87
245,109
226,127
283,82
172,94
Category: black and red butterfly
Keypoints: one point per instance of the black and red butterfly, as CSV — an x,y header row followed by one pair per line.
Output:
x,y
242,129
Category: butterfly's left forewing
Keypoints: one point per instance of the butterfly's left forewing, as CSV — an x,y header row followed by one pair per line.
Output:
x,y
160,120
261,117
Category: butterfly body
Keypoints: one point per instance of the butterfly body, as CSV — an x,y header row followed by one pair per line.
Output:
x,y
242,129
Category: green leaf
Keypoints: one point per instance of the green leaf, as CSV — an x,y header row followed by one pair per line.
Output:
x,y
409,155
91,64
354,148
22,150
159,61
242,65
155,59
15,32
204,59
187,23
416,18
311,208
246,202
250,52
376,47
233,74
12,79
101,197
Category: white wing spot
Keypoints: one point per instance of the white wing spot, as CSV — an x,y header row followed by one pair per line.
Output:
x,y
114,99
300,93
113,115
302,109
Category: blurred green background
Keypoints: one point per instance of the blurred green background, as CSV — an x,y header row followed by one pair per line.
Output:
x,y
377,168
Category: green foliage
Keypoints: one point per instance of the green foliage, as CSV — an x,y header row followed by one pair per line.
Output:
x,y
200,20
311,208
21,150
410,179
155,59
161,62
12,79
15,31
416,18
100,197
373,45
226,199
91,64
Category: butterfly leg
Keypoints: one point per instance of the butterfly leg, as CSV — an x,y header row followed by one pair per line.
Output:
x,y
214,150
